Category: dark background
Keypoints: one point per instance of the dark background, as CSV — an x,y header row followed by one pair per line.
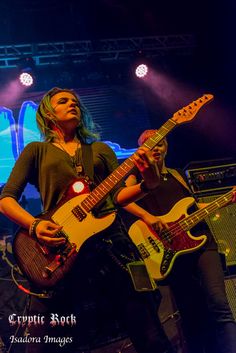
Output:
x,y
209,68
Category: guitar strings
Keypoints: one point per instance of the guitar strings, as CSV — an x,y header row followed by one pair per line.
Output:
x,y
177,229
165,232
169,125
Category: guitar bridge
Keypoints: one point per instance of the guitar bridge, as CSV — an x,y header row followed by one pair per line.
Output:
x,y
59,260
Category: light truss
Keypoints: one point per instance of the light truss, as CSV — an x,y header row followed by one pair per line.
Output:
x,y
117,49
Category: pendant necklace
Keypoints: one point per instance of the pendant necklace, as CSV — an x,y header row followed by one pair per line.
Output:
x,y
164,173
76,159
164,176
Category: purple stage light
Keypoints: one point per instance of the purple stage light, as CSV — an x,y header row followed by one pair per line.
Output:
x,y
141,70
26,79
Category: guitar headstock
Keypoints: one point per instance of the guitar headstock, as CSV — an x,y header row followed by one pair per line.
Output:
x,y
188,113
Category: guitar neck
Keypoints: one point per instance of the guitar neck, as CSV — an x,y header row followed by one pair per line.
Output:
x,y
102,190
108,184
193,219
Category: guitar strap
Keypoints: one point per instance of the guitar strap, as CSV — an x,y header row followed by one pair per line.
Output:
x,y
87,160
179,177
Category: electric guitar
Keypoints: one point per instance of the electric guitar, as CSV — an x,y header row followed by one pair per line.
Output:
x,y
46,266
159,251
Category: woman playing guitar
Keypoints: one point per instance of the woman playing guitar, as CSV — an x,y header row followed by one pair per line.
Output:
x,y
196,279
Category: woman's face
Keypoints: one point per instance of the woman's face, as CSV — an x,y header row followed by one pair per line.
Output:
x,y
159,152
66,107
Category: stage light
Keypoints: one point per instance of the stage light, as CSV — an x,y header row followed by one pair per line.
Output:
x,y
26,71
141,70
26,79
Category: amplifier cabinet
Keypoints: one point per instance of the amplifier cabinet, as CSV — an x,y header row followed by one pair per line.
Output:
x,y
211,179
230,286
223,227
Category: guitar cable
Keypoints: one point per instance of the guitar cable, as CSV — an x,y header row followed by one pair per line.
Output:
x,y
45,295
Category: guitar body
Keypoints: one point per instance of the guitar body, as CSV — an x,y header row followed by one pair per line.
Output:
x,y
160,251
46,266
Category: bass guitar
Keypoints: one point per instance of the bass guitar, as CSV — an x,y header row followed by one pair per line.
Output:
x,y
159,251
46,266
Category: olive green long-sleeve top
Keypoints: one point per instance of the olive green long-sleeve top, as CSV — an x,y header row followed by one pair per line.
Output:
x,y
51,171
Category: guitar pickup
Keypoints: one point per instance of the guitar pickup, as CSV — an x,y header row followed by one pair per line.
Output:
x,y
154,244
143,251
79,213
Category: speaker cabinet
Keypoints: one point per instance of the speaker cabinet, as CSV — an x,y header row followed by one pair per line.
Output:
x,y
230,286
223,227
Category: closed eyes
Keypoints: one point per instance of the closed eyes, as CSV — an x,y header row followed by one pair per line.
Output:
x,y
65,100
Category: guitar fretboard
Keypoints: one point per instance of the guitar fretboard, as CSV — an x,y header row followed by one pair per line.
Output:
x,y
191,220
103,189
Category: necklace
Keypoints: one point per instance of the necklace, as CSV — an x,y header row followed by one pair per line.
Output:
x,y
164,173
76,158
164,176
77,161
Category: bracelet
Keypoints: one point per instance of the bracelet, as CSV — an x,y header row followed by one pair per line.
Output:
x,y
32,229
144,188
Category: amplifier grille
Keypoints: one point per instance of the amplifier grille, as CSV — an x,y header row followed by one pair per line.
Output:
x,y
223,228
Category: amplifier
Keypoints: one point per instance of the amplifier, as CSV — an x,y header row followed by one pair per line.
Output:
x,y
223,228
211,178
230,286
208,180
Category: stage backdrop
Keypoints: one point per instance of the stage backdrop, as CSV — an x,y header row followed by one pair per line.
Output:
x,y
120,114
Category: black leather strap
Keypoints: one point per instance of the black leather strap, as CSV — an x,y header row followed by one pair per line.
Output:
x,y
87,161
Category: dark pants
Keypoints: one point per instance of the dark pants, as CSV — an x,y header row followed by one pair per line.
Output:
x,y
197,282
99,276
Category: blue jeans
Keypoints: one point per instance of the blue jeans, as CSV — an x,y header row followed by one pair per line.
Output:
x,y
197,282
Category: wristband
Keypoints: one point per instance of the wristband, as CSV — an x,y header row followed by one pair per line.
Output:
x,y
32,229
